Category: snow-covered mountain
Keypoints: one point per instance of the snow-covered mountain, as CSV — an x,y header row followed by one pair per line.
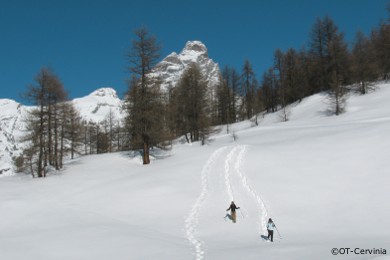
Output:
x,y
95,107
99,104
170,69
12,125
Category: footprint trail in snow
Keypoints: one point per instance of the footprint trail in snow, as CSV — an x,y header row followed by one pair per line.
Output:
x,y
256,196
221,174
192,219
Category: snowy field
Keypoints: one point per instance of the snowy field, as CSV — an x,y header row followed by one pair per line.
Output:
x,y
324,180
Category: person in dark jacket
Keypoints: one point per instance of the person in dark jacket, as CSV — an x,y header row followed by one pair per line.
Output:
x,y
232,209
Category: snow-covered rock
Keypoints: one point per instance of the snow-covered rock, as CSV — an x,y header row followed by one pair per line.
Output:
x,y
170,69
97,106
12,127
94,107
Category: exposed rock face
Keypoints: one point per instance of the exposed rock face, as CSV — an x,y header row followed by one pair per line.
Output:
x,y
170,69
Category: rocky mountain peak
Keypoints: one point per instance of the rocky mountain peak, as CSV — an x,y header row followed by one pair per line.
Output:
x,y
195,46
105,92
170,69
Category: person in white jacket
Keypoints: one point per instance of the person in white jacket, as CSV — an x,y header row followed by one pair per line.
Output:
x,y
270,228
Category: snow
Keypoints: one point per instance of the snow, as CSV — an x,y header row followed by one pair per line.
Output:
x,y
322,179
11,130
97,106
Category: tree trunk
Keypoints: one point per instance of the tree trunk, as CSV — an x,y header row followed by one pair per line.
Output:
x,y
146,159
40,156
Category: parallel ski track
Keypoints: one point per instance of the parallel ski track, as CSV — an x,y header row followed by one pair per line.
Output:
x,y
256,196
238,153
228,184
192,219
232,166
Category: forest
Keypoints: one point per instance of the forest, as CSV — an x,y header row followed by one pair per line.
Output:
x,y
154,118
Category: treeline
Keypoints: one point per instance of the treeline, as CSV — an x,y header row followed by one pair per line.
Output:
x,y
325,64
106,136
52,127
155,116
191,108
55,130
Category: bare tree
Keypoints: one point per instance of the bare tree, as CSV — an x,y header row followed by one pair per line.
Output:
x,y
380,40
72,131
144,106
228,96
46,123
248,88
364,69
339,67
269,87
190,105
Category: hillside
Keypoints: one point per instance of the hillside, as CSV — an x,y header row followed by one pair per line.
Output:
x,y
94,107
323,179
11,131
97,106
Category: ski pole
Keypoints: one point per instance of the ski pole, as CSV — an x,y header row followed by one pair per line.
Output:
x,y
278,232
241,213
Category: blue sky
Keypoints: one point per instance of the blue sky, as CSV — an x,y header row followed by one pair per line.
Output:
x,y
85,42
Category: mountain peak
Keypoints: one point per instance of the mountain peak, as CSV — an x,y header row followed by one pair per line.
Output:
x,y
170,69
99,104
196,46
104,92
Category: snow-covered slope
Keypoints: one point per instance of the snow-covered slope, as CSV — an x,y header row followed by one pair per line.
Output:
x,y
323,179
99,104
170,69
94,107
12,126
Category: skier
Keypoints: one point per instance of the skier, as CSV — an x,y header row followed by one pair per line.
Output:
x,y
270,228
232,209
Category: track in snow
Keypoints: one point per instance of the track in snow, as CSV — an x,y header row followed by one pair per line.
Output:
x,y
230,166
235,158
256,196
192,219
